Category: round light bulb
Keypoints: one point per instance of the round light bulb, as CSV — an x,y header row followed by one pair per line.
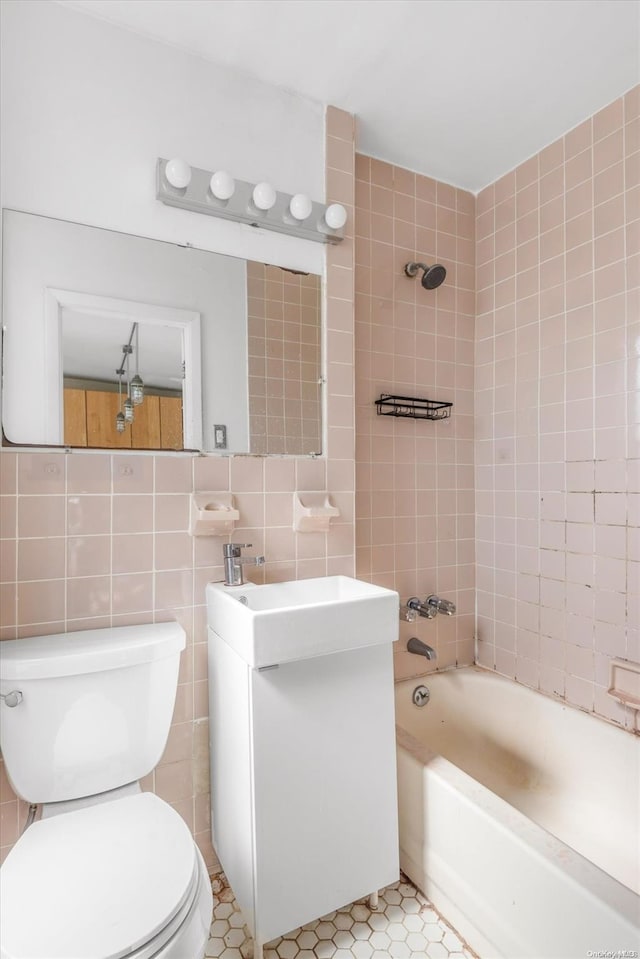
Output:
x,y
178,173
136,389
222,185
120,422
300,206
335,216
264,196
128,411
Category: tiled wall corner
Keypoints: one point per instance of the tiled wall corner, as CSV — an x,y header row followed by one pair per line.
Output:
x,y
339,345
415,501
93,539
557,412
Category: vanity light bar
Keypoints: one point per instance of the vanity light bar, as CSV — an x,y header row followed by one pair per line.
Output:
x,y
257,205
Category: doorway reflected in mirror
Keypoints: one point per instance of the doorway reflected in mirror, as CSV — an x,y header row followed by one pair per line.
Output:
x,y
107,403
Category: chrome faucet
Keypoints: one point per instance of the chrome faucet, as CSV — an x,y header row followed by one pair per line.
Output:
x,y
431,606
234,561
421,608
441,605
416,645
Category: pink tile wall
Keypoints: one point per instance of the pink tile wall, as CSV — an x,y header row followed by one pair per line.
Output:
x,y
558,412
415,498
92,540
284,331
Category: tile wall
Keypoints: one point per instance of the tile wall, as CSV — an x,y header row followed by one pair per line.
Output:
x,y
558,412
284,311
99,539
91,540
415,487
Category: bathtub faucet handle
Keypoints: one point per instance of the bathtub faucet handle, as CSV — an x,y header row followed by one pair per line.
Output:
x,y
421,608
441,605
407,614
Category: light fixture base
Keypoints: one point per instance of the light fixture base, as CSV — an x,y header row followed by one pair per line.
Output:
x,y
197,198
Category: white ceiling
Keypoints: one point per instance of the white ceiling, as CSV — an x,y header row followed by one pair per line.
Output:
x,y
92,349
461,90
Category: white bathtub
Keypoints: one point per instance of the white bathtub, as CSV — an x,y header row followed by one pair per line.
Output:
x,y
519,818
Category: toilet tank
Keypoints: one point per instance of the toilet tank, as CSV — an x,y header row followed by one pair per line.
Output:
x,y
95,711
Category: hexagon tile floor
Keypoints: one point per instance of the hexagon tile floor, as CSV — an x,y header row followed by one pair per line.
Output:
x,y
405,926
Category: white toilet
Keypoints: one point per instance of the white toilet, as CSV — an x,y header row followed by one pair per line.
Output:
x,y
108,872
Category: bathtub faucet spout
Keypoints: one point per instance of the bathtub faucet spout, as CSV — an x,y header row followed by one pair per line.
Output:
x,y
416,645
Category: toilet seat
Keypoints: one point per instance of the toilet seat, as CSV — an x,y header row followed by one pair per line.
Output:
x,y
103,881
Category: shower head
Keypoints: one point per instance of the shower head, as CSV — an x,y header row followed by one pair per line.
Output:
x,y
432,276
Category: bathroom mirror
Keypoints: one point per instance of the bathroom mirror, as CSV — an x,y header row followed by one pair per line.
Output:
x,y
228,350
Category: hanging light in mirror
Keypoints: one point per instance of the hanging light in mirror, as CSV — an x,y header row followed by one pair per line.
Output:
x,y
120,424
128,405
137,390
136,386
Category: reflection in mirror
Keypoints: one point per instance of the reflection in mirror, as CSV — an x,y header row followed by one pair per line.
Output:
x,y
122,382
284,360
217,341
84,333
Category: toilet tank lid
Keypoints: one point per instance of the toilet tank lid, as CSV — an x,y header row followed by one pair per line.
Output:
x,y
88,650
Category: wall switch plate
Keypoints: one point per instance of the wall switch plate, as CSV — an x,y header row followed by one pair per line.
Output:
x,y
219,436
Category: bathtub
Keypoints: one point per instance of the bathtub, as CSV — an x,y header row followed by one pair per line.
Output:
x,y
519,818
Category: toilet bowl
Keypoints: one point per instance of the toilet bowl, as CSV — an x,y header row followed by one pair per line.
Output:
x,y
103,874
120,878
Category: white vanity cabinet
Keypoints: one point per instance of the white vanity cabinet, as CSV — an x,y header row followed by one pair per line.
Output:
x,y
303,772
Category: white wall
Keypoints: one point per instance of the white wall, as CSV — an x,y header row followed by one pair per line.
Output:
x,y
87,107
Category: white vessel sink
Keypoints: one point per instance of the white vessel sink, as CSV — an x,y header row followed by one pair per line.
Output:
x,y
284,622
